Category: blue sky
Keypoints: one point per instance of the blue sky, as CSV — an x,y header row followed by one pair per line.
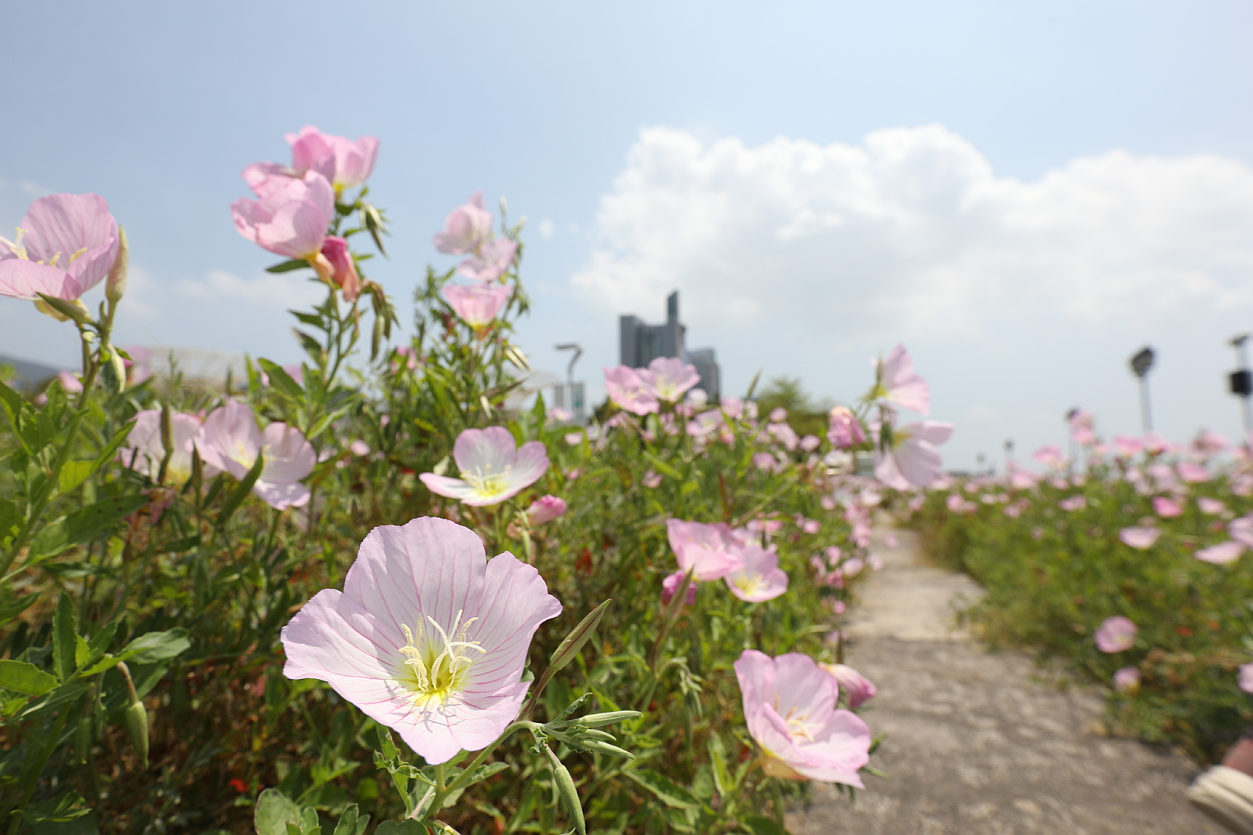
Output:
x,y
1074,116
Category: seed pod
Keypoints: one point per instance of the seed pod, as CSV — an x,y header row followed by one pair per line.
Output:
x,y
565,788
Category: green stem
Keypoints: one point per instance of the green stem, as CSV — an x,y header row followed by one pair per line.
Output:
x,y
463,778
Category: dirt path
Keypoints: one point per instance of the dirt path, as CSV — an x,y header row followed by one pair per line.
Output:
x,y
979,743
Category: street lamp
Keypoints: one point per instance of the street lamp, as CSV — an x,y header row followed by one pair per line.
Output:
x,y
1140,364
576,393
1242,381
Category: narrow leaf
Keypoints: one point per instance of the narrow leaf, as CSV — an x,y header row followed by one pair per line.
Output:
x,y
237,496
64,632
664,789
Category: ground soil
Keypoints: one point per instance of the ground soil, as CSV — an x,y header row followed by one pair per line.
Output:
x,y
984,743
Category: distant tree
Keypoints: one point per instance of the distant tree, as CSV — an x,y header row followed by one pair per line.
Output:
x,y
805,415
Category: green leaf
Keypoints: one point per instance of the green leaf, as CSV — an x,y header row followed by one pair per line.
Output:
x,y
273,812
10,523
74,473
11,607
115,443
64,632
281,381
83,525
761,825
237,496
663,467
156,646
308,318
28,679
288,266
404,827
351,822
664,789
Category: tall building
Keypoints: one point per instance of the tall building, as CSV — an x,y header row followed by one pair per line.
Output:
x,y
640,344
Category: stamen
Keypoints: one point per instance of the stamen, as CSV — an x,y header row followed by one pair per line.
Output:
x,y
437,676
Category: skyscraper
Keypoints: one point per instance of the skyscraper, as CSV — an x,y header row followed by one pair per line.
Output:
x,y
640,344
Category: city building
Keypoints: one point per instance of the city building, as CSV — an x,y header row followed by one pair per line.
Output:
x,y
640,344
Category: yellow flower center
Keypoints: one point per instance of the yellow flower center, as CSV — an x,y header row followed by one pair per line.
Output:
x,y
487,484
437,662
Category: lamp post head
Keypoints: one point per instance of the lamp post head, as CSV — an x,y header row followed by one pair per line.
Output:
x,y
1142,361
1239,339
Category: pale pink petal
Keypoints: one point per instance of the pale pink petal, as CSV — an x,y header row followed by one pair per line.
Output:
x,y
1222,553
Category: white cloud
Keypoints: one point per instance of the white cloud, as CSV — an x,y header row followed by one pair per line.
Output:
x,y
269,291
546,229
911,232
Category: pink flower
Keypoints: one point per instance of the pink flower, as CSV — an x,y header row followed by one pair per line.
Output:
x,y
1049,456
1073,503
897,383
759,577
1127,680
70,383
651,480
713,549
477,304
1166,507
466,228
1209,506
1208,443
1222,553
1192,472
790,710
343,272
344,163
859,688
138,367
668,378
1245,681
1241,530
913,458
843,430
1116,634
1128,447
810,442
359,448
545,509
144,453
492,467
291,218
428,638
493,261
1142,538
231,441
66,245
670,587
629,392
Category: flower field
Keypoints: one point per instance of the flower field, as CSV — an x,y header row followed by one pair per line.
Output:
x,y
1127,562
380,591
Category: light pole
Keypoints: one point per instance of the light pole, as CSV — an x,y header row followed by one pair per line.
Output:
x,y
1140,365
1009,455
1242,381
576,394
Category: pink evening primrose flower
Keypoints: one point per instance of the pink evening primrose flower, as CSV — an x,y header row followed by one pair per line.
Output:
x,y
1142,538
69,381
492,261
629,392
1049,455
651,480
1241,530
670,587
913,459
466,228
1166,507
668,378
713,551
144,453
347,163
1128,447
1192,472
759,577
231,441
66,245
843,430
1073,503
1116,634
790,709
1210,506
477,304
545,509
428,638
493,468
1245,681
898,384
859,688
290,219
1127,680
1222,553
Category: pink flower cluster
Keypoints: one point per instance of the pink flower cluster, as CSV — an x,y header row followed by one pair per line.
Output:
x,y
468,231
66,245
641,391
717,552
295,204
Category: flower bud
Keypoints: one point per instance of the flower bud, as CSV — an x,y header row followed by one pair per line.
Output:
x,y
599,720
167,429
136,716
115,284
113,370
82,738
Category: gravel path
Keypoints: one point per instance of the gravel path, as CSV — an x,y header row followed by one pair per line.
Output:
x,y
984,743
